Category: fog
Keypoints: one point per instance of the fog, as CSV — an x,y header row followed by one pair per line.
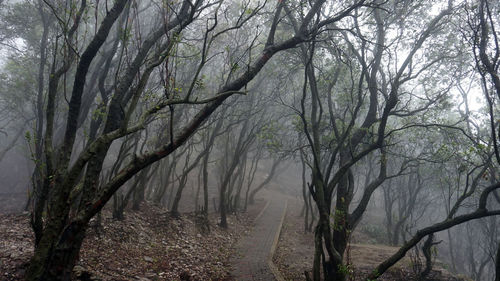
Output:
x,y
376,121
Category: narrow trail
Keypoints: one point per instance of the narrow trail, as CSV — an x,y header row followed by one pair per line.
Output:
x,y
250,263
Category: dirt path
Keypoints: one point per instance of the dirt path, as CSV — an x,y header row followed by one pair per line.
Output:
x,y
250,263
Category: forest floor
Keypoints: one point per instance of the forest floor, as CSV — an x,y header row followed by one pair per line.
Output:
x,y
295,252
147,245
151,245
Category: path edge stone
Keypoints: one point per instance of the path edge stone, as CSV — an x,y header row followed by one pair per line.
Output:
x,y
270,264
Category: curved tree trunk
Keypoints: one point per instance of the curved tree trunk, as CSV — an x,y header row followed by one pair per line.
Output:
x,y
189,167
271,175
426,250
55,256
165,179
252,172
304,194
448,223
140,188
205,184
245,139
240,177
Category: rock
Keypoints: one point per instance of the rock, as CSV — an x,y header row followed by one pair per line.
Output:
x,y
83,275
78,269
148,259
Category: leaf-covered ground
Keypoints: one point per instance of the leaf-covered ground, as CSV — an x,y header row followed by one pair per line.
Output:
x,y
16,246
147,245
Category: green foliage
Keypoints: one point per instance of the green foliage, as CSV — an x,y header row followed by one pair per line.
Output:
x,y
235,66
27,136
268,135
346,269
99,113
338,220
13,24
31,144
126,34
200,83
297,124
376,273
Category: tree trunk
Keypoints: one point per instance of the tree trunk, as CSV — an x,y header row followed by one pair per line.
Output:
x,y
120,202
240,178
117,206
182,182
55,256
251,173
165,178
452,251
206,157
497,264
426,250
312,211
198,189
304,194
333,266
178,195
205,184
318,252
40,193
138,193
245,138
222,208
396,233
272,173
223,193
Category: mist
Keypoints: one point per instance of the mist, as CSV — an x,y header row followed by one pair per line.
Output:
x,y
249,140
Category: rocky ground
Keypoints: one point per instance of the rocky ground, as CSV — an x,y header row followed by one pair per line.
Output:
x,y
147,245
